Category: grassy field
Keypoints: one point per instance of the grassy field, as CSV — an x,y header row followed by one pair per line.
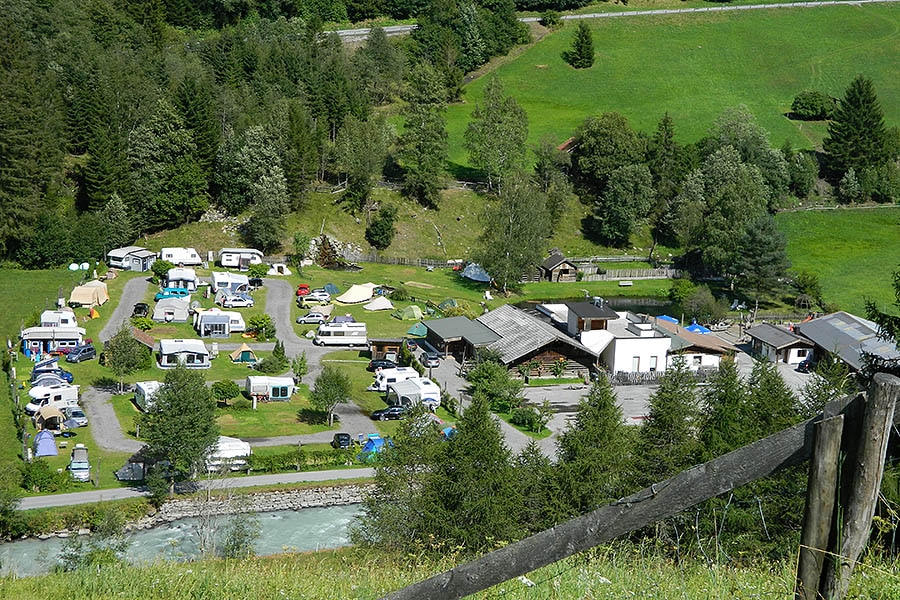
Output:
x,y
854,252
696,65
367,574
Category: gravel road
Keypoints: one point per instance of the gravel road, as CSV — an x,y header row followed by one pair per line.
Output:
x,y
135,291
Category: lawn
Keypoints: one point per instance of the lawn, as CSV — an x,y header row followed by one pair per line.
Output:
x,y
853,251
695,66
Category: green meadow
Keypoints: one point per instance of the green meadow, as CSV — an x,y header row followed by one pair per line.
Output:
x,y
694,66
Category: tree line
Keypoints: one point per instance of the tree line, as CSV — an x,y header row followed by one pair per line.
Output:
x,y
470,493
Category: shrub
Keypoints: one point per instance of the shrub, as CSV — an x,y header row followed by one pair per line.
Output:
x,y
260,270
550,19
223,391
142,323
526,417
37,476
242,404
160,269
400,294
813,106
380,232
271,366
263,326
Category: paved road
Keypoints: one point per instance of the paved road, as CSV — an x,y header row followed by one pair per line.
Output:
x,y
231,482
361,34
134,291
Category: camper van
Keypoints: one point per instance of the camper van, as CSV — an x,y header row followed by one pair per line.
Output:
x,y
144,392
341,334
61,396
79,465
385,377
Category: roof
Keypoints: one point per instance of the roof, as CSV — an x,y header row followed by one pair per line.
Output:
x,y
683,339
357,293
244,348
458,328
589,310
181,273
173,303
143,337
126,250
521,333
848,336
52,333
239,251
554,260
175,346
777,337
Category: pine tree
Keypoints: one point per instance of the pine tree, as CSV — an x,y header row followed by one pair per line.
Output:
x,y
667,442
543,501
117,223
723,424
594,452
423,144
857,136
772,404
581,54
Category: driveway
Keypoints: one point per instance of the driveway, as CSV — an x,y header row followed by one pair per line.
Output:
x,y
135,291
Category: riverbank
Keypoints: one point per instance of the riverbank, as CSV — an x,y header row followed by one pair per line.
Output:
x,y
229,503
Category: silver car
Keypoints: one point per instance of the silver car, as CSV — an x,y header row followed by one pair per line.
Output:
x,y
76,414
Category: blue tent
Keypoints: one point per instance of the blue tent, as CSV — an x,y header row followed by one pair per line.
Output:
x,y
343,319
332,289
374,444
695,328
474,272
667,318
45,444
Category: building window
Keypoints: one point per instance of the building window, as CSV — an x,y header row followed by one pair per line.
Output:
x,y
698,360
635,363
652,364
280,392
802,352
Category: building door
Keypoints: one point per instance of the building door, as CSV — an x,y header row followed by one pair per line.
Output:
x,y
635,364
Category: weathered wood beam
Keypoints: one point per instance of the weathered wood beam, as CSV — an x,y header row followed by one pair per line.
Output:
x,y
865,473
822,488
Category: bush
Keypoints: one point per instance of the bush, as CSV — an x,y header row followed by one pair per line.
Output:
x,y
142,323
242,404
223,391
263,326
37,476
271,366
260,270
550,19
526,417
160,269
380,232
813,106
400,294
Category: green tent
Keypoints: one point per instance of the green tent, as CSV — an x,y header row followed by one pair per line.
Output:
x,y
448,303
418,329
410,313
244,354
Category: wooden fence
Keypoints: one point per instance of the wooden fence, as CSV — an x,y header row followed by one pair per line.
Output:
x,y
623,274
840,501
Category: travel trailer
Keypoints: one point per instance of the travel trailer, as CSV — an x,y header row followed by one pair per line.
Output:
x,y
144,391
341,334
385,377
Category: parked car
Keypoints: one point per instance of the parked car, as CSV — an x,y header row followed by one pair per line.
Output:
x,y
172,293
381,363
75,414
391,412
237,301
255,282
411,345
80,353
430,359
313,300
341,441
302,289
313,318
140,310
806,366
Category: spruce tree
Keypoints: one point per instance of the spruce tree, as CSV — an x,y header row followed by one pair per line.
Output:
x,y
594,453
857,136
667,442
581,54
723,422
423,144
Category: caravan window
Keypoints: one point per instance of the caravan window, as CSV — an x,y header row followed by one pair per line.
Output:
x,y
280,391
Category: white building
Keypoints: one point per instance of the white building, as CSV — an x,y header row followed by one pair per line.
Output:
x,y
59,318
634,346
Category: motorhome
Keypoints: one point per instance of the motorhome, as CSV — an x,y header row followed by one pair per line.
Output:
x,y
60,395
341,334
385,377
144,391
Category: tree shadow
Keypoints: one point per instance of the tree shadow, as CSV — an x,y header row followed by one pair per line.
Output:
x,y
107,384
312,416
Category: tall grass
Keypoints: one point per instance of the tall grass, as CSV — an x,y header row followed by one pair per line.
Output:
x,y
364,574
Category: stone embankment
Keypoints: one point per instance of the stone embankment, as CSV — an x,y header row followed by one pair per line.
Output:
x,y
220,503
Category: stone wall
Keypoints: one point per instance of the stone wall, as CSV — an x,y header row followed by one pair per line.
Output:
x,y
221,504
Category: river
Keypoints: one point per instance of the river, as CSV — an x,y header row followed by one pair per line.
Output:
x,y
280,531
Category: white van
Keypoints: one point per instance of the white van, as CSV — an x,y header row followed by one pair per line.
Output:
x,y
144,392
61,396
385,377
341,334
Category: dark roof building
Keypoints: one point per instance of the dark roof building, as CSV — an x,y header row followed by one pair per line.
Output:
x,y
557,268
848,337
778,344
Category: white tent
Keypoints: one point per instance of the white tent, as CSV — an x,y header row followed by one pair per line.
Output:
x,y
357,293
89,294
379,303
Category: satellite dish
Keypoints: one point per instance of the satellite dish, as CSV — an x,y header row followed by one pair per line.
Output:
x,y
73,267
195,304
85,266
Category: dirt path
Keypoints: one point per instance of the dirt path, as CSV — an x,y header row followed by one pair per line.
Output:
x,y
135,291
105,426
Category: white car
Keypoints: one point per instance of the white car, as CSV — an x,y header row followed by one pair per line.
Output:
x,y
237,301
313,318
313,298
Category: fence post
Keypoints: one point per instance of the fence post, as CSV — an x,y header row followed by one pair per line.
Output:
x,y
820,497
863,471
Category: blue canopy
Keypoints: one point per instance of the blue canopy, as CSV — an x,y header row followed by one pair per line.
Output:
x,y
474,272
332,289
695,328
667,318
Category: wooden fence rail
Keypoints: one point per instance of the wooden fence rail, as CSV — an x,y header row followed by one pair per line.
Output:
x,y
667,498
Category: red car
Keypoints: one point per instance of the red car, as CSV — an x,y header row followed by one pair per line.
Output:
x,y
302,289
